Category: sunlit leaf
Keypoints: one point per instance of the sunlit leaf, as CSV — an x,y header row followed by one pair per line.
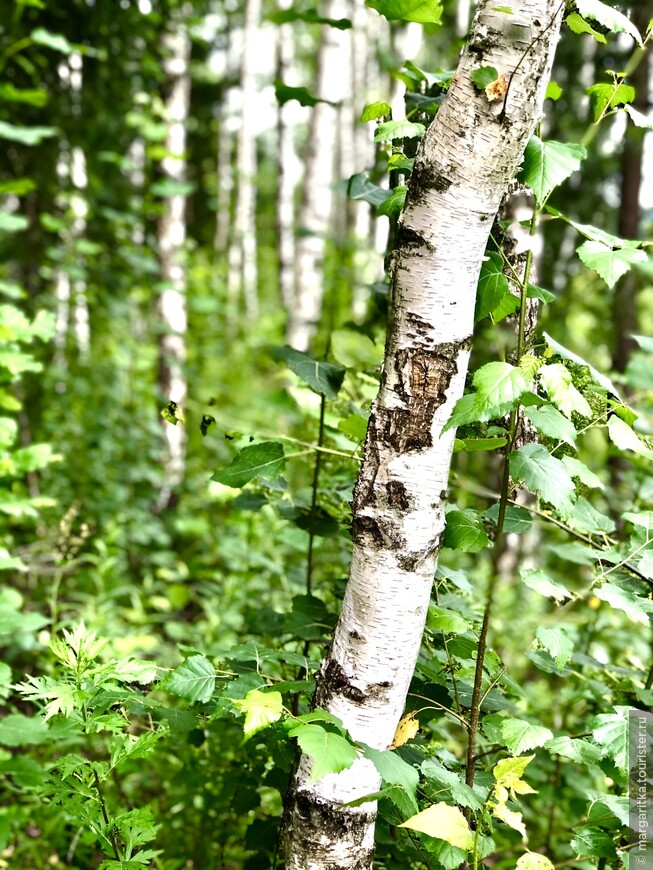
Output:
x,y
422,11
542,473
193,680
610,263
548,164
444,822
464,531
260,708
607,16
330,752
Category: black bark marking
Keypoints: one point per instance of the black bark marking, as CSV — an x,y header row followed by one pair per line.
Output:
x,y
410,561
365,525
305,814
334,681
398,495
410,238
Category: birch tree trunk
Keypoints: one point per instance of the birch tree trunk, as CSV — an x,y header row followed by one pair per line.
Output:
x,y
172,236
285,159
464,164
317,199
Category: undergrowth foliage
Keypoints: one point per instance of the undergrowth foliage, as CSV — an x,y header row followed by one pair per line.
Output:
x,y
514,740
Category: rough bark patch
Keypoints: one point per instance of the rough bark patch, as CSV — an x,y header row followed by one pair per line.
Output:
x,y
309,821
334,681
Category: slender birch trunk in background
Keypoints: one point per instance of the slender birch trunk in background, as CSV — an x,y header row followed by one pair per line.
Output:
x,y
317,200
243,275
224,166
172,236
469,155
286,158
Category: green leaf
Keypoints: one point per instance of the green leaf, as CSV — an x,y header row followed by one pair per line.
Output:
x,y
517,520
586,518
542,473
393,205
499,387
478,445
360,187
466,410
464,531
552,423
374,111
578,25
557,381
32,97
610,731
26,135
492,286
609,263
520,736
322,377
13,223
483,77
625,438
553,91
309,619
557,643
618,805
579,470
395,771
609,17
330,752
422,11
575,749
390,130
55,41
604,97
354,426
171,413
535,292
285,93
543,585
461,793
634,606
591,842
444,822
193,680
261,709
266,460
206,422
310,16
448,621
19,730
548,164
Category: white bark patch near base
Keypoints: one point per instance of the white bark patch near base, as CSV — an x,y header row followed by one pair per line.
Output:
x,y
468,156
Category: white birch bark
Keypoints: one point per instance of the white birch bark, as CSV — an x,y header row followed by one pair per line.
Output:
x,y
224,167
286,158
317,199
467,158
242,253
171,302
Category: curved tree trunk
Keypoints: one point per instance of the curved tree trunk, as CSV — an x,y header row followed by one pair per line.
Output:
x,y
467,158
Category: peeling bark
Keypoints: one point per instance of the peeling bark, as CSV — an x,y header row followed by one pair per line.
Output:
x,y
464,164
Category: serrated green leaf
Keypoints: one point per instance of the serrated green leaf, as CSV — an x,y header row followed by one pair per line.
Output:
x,y
194,680
610,731
260,708
421,11
266,460
508,305
483,77
517,520
390,130
466,410
461,793
578,469
395,771
609,263
578,25
520,736
448,621
552,423
557,381
464,531
625,438
634,606
478,445
608,16
499,387
323,377
542,473
360,187
330,752
535,292
557,643
591,842
492,286
374,111
548,164
19,730
604,97
393,205
444,822
575,749
586,518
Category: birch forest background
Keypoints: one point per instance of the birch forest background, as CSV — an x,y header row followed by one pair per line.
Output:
x,y
199,205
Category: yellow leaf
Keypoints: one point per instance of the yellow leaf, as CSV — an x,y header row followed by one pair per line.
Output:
x,y
496,90
511,818
444,822
260,708
508,772
533,861
406,730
